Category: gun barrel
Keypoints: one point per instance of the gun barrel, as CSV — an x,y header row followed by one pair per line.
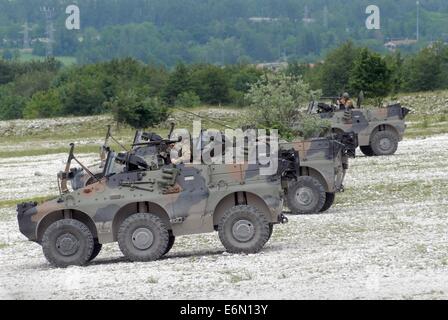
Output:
x,y
156,143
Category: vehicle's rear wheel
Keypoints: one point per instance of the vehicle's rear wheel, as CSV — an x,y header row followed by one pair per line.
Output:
x,y
306,196
271,230
171,241
96,250
67,243
384,143
143,237
328,201
367,151
244,229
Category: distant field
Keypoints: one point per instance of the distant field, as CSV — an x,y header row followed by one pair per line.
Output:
x,y
66,61
429,116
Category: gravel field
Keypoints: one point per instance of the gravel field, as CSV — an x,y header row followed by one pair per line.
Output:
x,y
386,238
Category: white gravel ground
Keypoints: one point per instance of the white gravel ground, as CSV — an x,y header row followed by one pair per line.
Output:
x,y
386,238
28,177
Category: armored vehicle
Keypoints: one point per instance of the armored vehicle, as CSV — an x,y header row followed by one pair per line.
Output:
x,y
316,173
379,130
143,203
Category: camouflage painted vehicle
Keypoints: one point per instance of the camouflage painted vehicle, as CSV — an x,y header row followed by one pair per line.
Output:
x,y
311,183
379,130
143,203
317,168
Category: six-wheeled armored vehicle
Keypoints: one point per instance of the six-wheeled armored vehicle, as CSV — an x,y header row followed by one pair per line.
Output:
x,y
143,202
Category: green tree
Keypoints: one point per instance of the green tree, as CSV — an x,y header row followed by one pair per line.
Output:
x,y
7,71
84,97
275,103
44,104
211,84
423,72
179,81
336,69
395,64
29,83
371,75
137,111
11,105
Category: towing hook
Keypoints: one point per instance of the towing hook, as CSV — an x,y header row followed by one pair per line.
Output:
x,y
283,219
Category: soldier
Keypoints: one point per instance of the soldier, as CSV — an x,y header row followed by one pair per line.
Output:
x,y
345,103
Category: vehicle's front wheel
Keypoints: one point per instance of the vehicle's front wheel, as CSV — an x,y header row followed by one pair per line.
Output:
x,y
384,143
96,250
367,151
306,196
244,229
67,242
331,196
143,237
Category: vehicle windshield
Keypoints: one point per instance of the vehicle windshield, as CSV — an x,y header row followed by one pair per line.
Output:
x,y
111,166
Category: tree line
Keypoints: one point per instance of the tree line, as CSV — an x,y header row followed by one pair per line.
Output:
x,y
133,91
46,89
216,31
351,68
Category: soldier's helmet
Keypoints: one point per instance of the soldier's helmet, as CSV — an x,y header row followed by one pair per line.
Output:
x,y
346,95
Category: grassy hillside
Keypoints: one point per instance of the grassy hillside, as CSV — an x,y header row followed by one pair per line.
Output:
x,y
429,116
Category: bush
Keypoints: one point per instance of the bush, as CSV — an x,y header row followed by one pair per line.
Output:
x,y
188,100
82,98
44,104
137,111
11,105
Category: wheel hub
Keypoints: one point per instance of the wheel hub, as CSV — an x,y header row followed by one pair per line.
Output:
x,y
304,196
243,230
67,244
142,238
385,144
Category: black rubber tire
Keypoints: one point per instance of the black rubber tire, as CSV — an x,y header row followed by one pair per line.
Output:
x,y
257,220
96,249
171,241
159,232
367,151
75,230
317,199
329,200
271,230
378,150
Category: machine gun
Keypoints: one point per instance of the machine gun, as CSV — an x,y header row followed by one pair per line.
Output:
x,y
134,161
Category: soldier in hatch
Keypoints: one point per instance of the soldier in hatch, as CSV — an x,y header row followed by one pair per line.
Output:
x,y
345,103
